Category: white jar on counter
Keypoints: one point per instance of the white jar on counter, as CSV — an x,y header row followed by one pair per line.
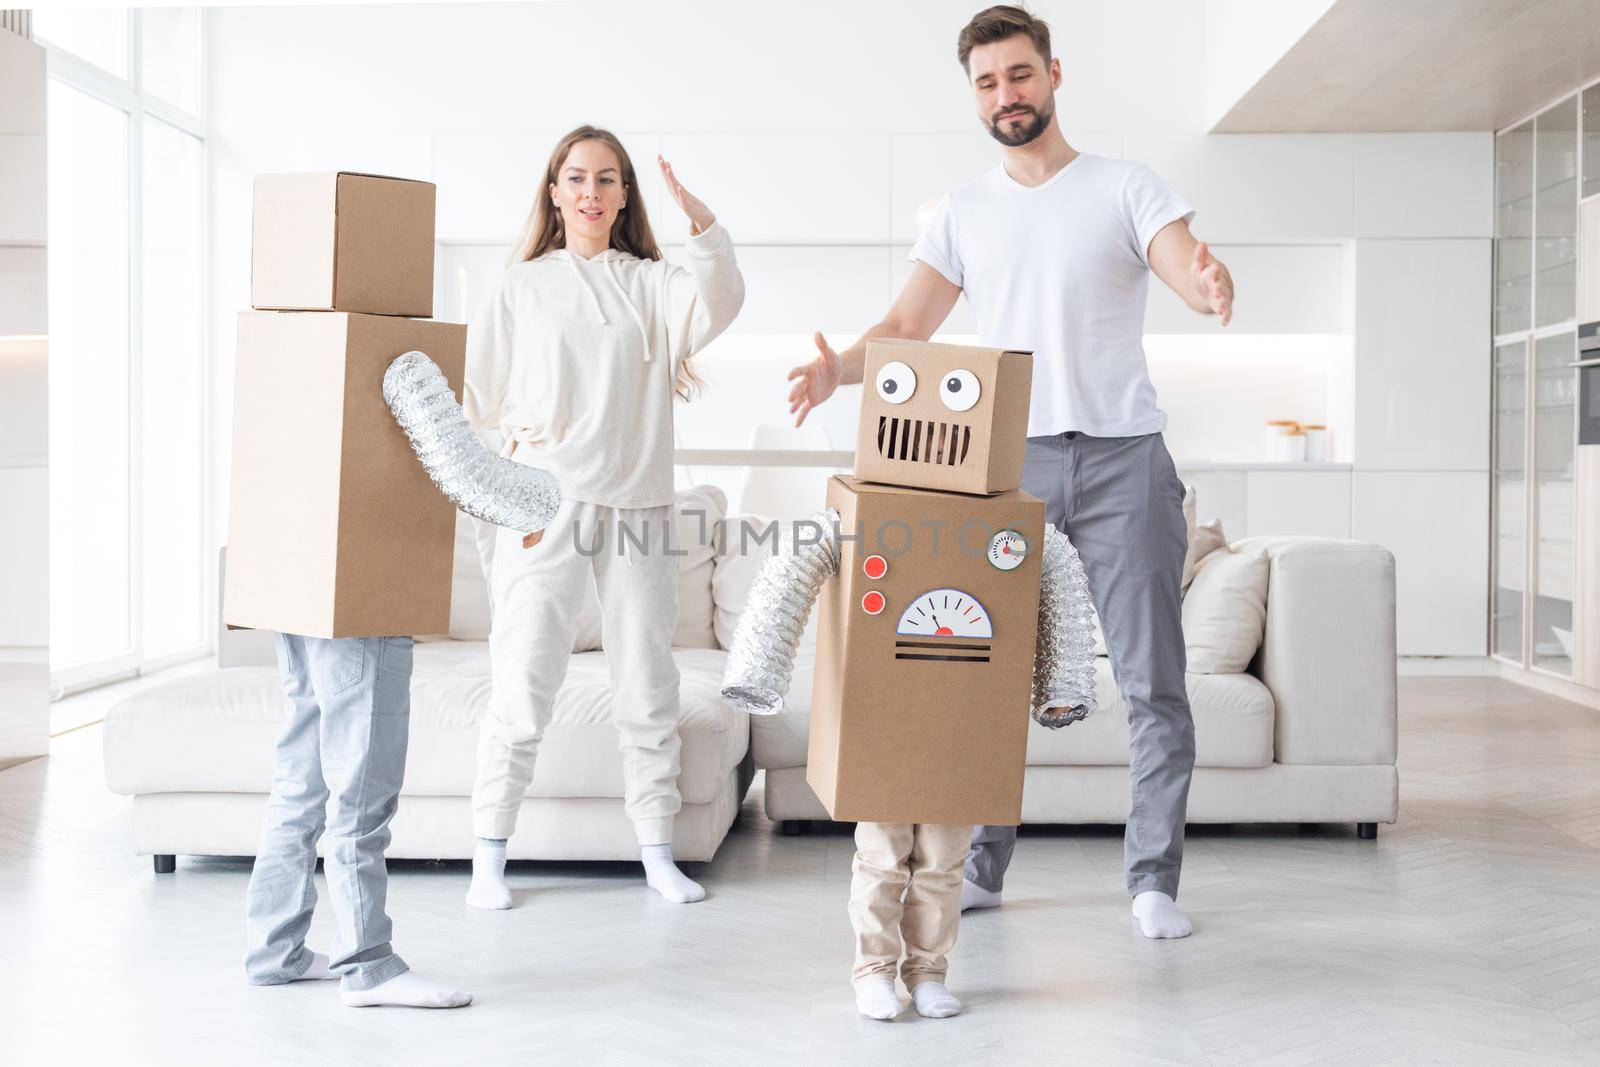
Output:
x,y
1290,446
1272,443
1316,442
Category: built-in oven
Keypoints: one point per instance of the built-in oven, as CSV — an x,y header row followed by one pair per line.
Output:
x,y
1588,383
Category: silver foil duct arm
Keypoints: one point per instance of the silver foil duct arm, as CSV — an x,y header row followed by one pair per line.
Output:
x,y
1063,668
761,661
498,491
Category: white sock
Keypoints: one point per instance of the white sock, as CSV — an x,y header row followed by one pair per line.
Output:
x,y
318,971
933,1001
974,895
488,888
408,990
876,999
662,875
1159,917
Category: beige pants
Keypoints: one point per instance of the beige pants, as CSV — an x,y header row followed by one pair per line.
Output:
x,y
907,888
535,595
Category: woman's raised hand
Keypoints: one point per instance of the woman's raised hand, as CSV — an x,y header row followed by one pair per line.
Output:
x,y
700,216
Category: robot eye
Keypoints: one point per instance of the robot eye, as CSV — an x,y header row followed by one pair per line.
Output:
x,y
896,382
959,390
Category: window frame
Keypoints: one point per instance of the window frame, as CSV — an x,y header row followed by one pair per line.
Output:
x,y
128,95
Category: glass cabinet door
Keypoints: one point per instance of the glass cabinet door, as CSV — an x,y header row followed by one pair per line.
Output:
x,y
1510,504
1554,444
1555,224
1513,227
1591,141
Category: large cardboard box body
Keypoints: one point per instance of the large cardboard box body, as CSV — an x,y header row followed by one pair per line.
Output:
x,y
914,432
910,723
339,241
334,528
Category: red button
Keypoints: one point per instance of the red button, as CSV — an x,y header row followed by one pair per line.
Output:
x,y
875,566
872,603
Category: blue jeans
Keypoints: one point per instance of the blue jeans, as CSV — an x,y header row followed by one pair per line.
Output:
x,y
340,762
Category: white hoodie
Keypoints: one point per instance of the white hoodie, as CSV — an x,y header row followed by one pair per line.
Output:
x,y
573,360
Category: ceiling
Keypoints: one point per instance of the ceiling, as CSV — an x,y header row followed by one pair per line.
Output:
x,y
1407,65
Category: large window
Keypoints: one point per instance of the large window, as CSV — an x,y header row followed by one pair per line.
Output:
x,y
129,575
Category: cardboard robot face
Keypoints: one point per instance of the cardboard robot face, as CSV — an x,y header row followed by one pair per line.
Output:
x,y
950,417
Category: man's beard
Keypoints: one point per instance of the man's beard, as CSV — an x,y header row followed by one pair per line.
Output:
x,y
1026,133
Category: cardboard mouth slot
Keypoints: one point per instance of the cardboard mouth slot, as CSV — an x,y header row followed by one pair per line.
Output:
x,y
940,645
923,441
947,659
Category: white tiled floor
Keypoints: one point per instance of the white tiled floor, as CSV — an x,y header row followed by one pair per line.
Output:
x,y
1467,933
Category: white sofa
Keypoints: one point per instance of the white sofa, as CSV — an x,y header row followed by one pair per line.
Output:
x,y
1307,735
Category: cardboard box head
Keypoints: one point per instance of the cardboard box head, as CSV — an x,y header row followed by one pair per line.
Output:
x,y
951,417
925,649
339,241
334,528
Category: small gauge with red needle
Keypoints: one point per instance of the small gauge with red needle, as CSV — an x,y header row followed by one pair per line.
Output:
x,y
945,613
1007,550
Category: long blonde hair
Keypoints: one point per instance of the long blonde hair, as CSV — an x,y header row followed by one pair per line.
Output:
x,y
631,233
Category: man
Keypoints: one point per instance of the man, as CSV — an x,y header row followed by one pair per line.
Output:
x,y
1054,249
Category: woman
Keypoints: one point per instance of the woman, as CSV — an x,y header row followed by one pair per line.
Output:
x,y
576,360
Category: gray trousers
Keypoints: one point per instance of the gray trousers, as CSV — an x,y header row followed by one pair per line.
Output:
x,y
340,761
1121,502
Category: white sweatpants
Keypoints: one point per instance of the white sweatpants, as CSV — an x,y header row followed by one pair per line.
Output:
x,y
535,597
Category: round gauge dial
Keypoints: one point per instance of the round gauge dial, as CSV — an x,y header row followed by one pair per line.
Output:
x,y
1007,550
945,613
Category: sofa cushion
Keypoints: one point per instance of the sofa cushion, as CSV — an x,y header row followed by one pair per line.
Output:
x,y
1233,715
1233,725
1190,556
214,732
1225,611
780,740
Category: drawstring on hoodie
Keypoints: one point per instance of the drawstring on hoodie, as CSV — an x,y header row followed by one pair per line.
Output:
x,y
594,300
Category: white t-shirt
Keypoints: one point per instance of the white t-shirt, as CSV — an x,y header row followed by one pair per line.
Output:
x,y
1061,270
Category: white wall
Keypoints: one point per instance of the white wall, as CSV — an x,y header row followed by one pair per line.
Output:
x,y
818,131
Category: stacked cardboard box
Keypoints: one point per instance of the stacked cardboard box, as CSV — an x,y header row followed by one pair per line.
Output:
x,y
334,529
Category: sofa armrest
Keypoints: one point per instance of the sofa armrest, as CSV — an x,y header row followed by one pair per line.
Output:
x,y
1328,654
240,648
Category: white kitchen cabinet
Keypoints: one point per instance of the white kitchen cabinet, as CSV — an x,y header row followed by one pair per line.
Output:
x,y
22,168
23,290
1310,503
1424,185
1436,524
1288,289
1311,196
838,289
1422,355
822,188
1219,494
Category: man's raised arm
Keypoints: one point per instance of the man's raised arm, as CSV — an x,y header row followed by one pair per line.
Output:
x,y
920,309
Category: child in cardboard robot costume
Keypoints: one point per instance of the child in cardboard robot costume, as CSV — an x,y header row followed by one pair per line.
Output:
x,y
949,611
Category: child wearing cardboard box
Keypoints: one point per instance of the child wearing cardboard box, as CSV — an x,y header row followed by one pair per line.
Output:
x,y
919,714
575,360
340,576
